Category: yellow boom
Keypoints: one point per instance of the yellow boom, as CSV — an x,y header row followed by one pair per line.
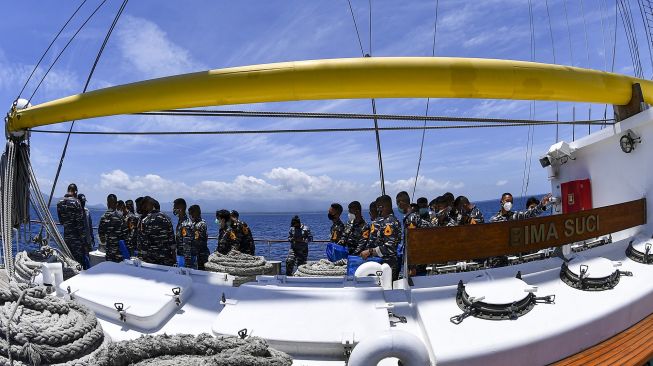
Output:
x,y
378,77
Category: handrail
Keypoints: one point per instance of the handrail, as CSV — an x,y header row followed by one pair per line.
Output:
x,y
351,78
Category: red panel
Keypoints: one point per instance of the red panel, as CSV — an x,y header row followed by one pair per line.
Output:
x,y
576,196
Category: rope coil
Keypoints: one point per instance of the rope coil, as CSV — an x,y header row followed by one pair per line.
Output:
x,y
244,267
322,268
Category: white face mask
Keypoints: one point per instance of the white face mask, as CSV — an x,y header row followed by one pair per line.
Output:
x,y
507,206
351,216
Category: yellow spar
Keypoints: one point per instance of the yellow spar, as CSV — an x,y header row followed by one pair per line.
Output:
x,y
378,77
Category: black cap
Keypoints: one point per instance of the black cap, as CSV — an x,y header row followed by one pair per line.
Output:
x,y
235,214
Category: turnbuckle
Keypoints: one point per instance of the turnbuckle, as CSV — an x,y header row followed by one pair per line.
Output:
x,y
457,319
176,291
120,308
549,299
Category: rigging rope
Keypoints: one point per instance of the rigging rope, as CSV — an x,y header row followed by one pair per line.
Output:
x,y
64,49
312,115
376,122
629,28
553,49
643,6
531,129
88,81
428,100
48,49
571,55
587,50
312,130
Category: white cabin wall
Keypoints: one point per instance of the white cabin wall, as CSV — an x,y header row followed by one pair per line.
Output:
x,y
615,176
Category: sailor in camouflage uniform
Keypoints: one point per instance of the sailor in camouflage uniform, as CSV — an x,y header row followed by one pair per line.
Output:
x,y
198,230
412,219
388,238
299,236
158,237
111,229
131,221
374,231
182,233
443,213
337,226
230,239
71,216
506,213
247,245
88,224
468,213
357,231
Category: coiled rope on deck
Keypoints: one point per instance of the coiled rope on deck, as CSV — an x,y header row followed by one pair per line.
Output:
x,y
37,329
185,349
243,266
322,268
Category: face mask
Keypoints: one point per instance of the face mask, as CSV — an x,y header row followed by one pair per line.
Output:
x,y
217,221
507,206
330,216
175,212
351,216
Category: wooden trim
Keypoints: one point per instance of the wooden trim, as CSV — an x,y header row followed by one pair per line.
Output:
x,y
633,346
443,244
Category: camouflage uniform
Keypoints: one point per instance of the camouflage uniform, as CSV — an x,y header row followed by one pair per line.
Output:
x,y
355,235
337,229
158,239
199,243
112,229
184,237
373,236
71,216
298,253
443,218
245,234
230,240
131,221
88,229
471,217
518,215
387,241
411,221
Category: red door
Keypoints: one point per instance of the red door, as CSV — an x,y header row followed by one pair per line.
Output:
x,y
576,196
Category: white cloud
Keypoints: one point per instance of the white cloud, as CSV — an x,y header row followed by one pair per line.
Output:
x,y
423,184
146,47
279,184
502,182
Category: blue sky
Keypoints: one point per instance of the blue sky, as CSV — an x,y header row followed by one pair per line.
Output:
x,y
160,38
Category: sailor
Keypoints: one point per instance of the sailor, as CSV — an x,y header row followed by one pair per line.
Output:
x,y
88,225
423,206
245,233
389,236
71,216
412,219
112,229
532,202
299,236
468,213
442,215
158,236
200,237
506,213
230,239
357,231
337,226
373,225
138,235
131,221
182,236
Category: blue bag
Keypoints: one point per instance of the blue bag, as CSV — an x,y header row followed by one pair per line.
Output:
x,y
181,261
354,261
123,249
335,252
